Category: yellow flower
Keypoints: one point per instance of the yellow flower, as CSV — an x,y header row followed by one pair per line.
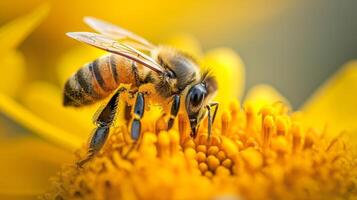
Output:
x,y
251,155
261,150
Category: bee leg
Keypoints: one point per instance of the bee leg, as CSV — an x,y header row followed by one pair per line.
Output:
x,y
103,123
135,130
98,139
216,106
139,109
106,116
209,122
175,107
211,118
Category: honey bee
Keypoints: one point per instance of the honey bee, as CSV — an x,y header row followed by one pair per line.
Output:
x,y
172,73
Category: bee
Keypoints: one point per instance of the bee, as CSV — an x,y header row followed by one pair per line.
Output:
x,y
173,74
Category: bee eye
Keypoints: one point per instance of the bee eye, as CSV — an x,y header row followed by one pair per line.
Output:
x,y
195,97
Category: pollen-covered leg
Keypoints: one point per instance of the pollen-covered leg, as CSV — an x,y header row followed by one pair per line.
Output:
x,y
103,122
175,107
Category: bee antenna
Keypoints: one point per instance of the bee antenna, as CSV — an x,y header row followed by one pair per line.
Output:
x,y
206,74
209,80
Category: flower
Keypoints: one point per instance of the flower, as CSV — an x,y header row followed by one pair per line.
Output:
x,y
259,151
251,155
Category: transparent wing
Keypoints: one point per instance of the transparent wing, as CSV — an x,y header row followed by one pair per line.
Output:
x,y
118,33
108,44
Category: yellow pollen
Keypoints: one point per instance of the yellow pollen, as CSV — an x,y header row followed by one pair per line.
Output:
x,y
203,167
201,157
221,155
212,162
201,148
212,150
227,163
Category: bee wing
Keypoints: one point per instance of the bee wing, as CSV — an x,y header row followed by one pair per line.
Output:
x,y
105,43
118,33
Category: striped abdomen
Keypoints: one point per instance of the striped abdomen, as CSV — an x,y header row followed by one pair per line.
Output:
x,y
96,80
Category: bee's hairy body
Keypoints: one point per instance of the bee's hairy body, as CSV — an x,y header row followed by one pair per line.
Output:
x,y
98,79
172,75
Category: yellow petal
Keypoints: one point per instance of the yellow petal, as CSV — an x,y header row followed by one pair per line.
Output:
x,y
75,58
186,43
24,117
13,65
27,163
261,95
45,101
228,68
14,32
334,104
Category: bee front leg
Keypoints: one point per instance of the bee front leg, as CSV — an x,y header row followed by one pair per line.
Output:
x,y
103,122
211,118
175,107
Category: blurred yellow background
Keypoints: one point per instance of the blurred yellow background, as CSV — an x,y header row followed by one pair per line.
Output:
x,y
292,45
210,21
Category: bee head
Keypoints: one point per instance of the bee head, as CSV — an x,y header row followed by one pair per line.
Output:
x,y
181,69
197,98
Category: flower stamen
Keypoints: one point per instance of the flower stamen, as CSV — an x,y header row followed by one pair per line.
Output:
x,y
271,158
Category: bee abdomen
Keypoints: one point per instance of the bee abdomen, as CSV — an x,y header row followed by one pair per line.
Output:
x,y
96,80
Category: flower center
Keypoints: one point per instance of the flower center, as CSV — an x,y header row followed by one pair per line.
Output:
x,y
264,154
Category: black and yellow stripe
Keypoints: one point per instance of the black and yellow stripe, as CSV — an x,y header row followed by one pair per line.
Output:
x,y
112,61
96,80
